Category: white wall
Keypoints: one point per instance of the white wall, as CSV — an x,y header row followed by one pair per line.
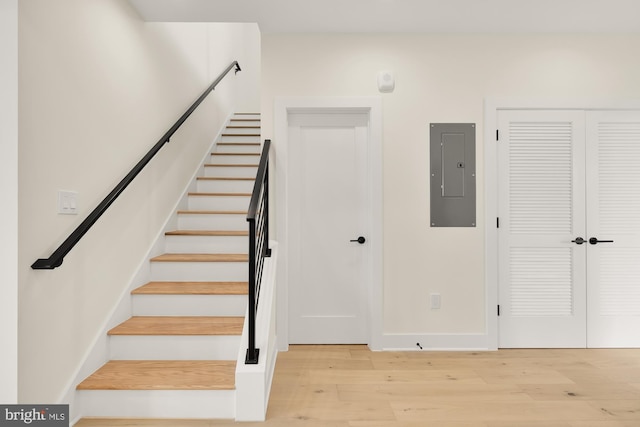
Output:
x,y
98,87
440,78
9,196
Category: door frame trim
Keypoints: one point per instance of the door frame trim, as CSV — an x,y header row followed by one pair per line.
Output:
x,y
373,107
491,107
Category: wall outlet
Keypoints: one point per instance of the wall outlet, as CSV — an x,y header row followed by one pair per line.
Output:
x,y
67,202
435,301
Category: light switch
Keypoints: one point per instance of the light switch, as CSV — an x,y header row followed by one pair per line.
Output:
x,y
435,301
67,202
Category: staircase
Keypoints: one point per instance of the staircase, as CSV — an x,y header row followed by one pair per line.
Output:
x,y
176,356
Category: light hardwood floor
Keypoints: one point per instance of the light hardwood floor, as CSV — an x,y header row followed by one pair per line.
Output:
x,y
350,386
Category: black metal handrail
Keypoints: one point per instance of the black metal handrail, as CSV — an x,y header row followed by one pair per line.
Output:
x,y
258,218
56,258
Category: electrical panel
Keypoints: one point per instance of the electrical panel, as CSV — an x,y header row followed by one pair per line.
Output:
x,y
453,174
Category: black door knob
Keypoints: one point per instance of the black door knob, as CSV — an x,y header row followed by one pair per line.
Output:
x,y
360,240
579,241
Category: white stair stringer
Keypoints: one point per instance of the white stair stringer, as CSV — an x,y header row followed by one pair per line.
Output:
x,y
214,223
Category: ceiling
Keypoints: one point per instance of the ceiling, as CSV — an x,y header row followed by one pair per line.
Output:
x,y
440,16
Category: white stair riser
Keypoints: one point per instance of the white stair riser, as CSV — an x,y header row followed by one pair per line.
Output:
x,y
242,130
237,148
224,203
255,116
213,222
225,186
193,347
199,271
189,305
206,244
231,171
219,404
230,159
239,138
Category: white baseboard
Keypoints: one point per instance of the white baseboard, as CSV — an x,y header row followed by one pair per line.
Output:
x,y
434,342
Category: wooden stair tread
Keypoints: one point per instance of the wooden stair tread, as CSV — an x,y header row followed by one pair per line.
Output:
x,y
207,233
193,288
238,143
201,258
201,212
179,325
245,120
163,375
220,194
240,134
242,127
247,114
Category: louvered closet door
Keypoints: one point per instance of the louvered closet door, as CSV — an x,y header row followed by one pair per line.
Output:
x,y
542,284
613,213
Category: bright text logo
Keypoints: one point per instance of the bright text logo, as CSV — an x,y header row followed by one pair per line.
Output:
x,y
36,415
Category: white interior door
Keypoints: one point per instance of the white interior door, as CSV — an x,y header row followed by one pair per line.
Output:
x,y
564,175
542,277
327,210
613,215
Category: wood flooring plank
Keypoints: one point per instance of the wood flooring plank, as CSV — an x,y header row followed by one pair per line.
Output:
x,y
433,412
138,422
193,288
179,325
586,391
452,392
533,375
373,377
162,375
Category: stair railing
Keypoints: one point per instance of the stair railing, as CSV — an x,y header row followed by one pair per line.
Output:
x,y
258,219
56,258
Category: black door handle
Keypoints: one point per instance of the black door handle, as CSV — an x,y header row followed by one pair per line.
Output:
x,y
360,240
594,241
579,241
